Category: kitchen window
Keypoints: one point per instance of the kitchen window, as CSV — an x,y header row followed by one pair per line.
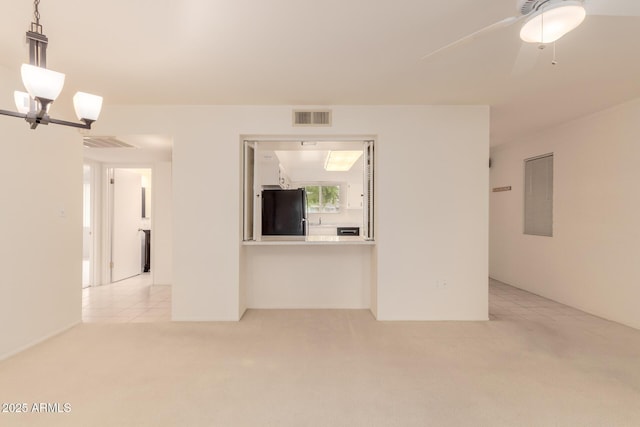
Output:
x,y
323,198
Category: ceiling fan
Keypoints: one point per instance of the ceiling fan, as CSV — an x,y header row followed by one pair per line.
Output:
x,y
546,21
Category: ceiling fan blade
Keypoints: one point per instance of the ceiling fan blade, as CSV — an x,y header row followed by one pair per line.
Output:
x,y
528,57
613,7
495,26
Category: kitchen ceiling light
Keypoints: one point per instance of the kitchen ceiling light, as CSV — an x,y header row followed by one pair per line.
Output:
x,y
45,85
341,161
553,21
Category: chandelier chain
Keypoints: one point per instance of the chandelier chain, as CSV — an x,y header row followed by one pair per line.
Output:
x,y
36,12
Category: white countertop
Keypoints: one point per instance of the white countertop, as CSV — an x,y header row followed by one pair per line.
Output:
x,y
310,240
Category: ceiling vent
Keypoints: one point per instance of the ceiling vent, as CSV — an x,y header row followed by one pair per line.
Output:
x,y
104,142
312,117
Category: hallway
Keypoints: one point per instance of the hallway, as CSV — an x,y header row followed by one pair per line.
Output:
x,y
130,300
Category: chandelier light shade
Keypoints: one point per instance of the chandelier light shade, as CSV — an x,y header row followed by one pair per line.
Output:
x,y
23,101
44,86
42,83
87,106
552,22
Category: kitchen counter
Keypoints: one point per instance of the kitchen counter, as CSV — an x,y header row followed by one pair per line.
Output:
x,y
310,240
329,230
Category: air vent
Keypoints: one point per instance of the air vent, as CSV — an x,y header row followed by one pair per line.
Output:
x,y
312,117
104,142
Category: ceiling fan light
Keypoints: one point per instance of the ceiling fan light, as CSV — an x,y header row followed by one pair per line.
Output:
x,y
41,82
23,101
550,23
87,106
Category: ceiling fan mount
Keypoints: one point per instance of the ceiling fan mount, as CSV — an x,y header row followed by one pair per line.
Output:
x,y
528,6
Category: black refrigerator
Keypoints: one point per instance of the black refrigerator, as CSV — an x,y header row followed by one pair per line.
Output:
x,y
284,212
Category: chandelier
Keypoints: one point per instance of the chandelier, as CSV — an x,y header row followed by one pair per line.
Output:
x,y
43,86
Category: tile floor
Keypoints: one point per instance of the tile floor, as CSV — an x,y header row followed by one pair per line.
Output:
x,y
130,300
509,303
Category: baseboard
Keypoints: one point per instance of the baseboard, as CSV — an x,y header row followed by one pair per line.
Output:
x,y
35,342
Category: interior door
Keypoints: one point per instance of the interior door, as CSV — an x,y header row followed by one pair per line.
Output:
x,y
126,241
249,160
87,226
369,190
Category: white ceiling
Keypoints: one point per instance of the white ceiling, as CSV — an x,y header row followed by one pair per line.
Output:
x,y
300,52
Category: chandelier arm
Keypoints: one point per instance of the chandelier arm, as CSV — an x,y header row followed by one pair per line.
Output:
x,y
13,114
85,125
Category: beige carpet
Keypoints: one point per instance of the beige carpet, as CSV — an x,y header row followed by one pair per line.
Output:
x,y
536,364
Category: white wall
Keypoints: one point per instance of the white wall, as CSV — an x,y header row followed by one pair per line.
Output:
x,y
40,232
162,217
432,212
327,276
591,262
432,205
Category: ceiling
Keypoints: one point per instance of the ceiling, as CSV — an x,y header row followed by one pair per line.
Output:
x,y
300,52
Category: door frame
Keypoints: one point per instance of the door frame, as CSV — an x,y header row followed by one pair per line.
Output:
x,y
95,218
107,215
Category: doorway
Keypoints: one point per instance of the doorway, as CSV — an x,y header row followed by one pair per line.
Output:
x,y
129,222
146,294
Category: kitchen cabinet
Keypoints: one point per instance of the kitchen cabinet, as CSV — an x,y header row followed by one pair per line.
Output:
x,y
355,196
283,178
274,174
